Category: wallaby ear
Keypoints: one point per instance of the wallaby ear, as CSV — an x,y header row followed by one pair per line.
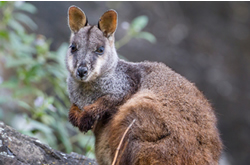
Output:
x,y
108,22
76,19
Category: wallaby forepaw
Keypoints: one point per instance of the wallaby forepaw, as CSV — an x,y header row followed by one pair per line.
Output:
x,y
73,119
74,114
86,122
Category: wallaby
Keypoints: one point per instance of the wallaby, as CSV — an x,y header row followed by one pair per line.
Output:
x,y
174,124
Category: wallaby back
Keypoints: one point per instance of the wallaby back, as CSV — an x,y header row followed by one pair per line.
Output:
x,y
174,123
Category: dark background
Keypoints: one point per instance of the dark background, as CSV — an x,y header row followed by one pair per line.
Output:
x,y
207,42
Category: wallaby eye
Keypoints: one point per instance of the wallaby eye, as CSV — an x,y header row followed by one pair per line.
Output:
x,y
73,47
100,50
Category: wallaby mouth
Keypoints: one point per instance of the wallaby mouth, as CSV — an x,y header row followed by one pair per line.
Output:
x,y
82,73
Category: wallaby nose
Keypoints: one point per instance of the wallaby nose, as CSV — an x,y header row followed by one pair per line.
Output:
x,y
82,71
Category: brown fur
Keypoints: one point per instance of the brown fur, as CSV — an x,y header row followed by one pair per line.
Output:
x,y
76,19
174,122
176,127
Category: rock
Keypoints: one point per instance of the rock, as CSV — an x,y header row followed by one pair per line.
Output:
x,y
19,149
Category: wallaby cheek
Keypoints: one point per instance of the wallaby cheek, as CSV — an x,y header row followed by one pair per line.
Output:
x,y
99,63
70,64
96,72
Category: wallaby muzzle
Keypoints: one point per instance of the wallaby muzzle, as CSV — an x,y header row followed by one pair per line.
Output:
x,y
82,72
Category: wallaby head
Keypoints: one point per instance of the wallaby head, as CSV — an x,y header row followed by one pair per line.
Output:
x,y
91,53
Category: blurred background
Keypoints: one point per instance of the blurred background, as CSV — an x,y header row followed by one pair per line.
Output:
x,y
206,42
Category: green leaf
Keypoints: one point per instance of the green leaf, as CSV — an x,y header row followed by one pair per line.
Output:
x,y
91,154
64,137
139,23
147,36
14,41
27,7
59,72
26,20
11,84
61,53
48,120
87,141
23,104
17,63
4,34
16,25
42,127
28,39
25,91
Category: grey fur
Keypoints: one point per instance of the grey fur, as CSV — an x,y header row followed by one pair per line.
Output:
x,y
113,83
111,80
172,114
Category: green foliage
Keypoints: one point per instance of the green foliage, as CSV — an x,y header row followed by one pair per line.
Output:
x,y
37,83
34,88
135,31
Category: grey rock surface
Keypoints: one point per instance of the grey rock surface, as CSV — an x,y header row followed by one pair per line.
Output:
x,y
19,149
